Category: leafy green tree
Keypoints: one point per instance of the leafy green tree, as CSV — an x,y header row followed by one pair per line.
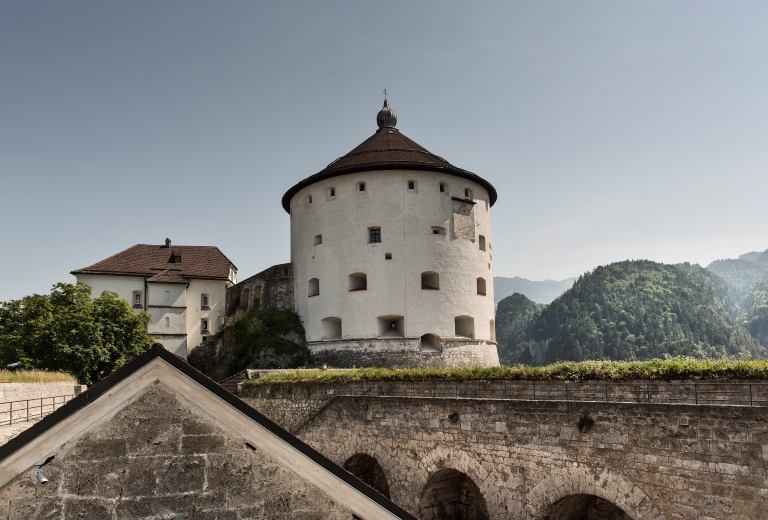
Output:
x,y
72,332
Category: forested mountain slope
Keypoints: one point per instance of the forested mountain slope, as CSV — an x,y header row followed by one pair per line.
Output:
x,y
639,310
743,271
513,316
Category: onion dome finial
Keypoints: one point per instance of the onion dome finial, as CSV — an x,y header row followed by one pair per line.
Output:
x,y
386,118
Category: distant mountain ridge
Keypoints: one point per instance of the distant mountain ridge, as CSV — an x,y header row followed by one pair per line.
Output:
x,y
643,310
543,291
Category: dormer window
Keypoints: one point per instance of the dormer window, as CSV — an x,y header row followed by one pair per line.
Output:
x,y
175,258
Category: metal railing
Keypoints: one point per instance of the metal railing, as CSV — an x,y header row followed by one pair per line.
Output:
x,y
12,412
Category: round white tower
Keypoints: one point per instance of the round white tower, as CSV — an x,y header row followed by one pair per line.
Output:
x,y
392,256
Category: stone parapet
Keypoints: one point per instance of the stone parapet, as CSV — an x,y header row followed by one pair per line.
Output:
x,y
404,353
655,450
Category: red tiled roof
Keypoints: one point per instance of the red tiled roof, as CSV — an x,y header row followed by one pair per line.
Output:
x,y
150,260
167,277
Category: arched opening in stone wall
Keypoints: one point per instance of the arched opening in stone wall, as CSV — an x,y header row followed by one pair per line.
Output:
x,y
313,287
452,495
430,343
586,507
368,469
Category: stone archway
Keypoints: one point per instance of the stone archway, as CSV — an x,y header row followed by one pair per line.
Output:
x,y
586,507
451,495
548,497
368,469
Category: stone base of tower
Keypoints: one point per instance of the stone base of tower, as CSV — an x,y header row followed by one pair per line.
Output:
x,y
404,353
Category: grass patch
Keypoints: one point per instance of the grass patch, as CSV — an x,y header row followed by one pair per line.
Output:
x,y
660,370
35,376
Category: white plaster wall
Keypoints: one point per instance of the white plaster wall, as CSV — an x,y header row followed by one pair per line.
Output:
x,y
217,289
176,294
394,286
177,323
122,285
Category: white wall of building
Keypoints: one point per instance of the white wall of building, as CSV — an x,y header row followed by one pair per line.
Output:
x,y
217,291
406,218
176,309
124,286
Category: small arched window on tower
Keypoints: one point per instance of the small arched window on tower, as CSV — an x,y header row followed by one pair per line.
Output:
x,y
309,200
390,326
430,281
361,187
467,193
465,326
331,328
413,186
358,282
331,193
313,287
482,243
443,188
374,235
481,286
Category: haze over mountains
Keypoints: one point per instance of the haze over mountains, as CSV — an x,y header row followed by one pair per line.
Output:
x,y
539,291
636,310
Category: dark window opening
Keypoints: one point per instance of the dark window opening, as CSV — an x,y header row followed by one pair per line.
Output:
x,y
361,186
430,281
333,192
442,188
358,282
387,256
374,235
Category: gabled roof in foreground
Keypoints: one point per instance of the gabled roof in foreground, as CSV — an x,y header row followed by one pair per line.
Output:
x,y
387,149
82,413
207,262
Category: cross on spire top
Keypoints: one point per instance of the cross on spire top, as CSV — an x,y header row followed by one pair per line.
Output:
x,y
385,92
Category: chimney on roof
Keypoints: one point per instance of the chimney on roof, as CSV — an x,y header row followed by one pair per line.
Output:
x,y
167,242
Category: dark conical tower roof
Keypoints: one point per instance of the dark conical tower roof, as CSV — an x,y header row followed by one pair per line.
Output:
x,y
387,149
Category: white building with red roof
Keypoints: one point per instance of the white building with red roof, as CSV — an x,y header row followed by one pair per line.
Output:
x,y
183,288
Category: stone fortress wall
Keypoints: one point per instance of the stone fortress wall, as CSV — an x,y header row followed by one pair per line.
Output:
x,y
430,275
537,451
270,289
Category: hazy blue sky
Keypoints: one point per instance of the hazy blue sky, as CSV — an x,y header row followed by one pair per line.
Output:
x,y
612,130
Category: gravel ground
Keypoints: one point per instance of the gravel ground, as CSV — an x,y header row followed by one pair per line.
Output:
x,y
9,432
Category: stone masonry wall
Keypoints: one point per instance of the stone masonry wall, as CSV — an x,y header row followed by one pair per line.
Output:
x,y
23,391
159,458
404,352
528,449
269,289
